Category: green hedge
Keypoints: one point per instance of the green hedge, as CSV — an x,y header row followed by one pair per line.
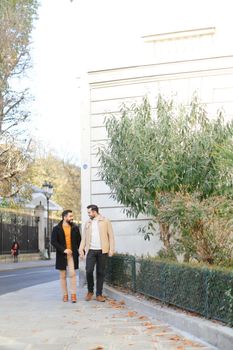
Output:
x,y
121,272
206,291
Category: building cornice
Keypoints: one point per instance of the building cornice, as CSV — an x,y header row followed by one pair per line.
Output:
x,y
166,70
182,34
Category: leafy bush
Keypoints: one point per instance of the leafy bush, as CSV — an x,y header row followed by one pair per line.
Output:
x,y
168,166
201,230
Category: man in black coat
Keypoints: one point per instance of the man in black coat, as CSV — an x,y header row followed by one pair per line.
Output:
x,y
66,239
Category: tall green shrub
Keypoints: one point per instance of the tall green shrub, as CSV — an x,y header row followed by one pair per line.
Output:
x,y
151,156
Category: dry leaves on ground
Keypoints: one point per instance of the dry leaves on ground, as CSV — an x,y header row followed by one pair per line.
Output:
x,y
175,338
185,342
115,305
150,325
191,343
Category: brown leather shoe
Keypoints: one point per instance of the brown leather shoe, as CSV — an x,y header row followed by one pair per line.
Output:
x,y
100,298
65,298
73,298
89,296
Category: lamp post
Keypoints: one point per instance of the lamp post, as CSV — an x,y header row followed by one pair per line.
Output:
x,y
48,191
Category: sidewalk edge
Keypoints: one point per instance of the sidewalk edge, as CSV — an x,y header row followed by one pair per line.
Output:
x,y
26,265
214,334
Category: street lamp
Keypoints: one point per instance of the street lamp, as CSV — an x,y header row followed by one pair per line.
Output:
x,y
48,191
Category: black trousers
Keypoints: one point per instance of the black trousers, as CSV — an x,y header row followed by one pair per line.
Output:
x,y
95,257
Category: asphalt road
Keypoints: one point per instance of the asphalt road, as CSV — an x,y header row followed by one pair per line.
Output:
x,y
13,280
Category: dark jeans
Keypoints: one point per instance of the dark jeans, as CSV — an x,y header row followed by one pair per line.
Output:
x,y
95,257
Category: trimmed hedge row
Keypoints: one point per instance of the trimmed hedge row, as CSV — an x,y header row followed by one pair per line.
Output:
x,y
206,291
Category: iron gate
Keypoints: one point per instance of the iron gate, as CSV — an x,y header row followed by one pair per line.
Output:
x,y
20,227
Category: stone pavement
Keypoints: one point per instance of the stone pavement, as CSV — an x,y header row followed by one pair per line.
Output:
x,y
36,318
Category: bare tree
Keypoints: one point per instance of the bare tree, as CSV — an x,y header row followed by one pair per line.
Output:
x,y
16,21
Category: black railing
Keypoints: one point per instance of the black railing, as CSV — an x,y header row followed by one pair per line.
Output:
x,y
18,227
203,290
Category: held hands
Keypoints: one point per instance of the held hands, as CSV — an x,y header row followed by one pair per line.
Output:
x,y
81,254
68,252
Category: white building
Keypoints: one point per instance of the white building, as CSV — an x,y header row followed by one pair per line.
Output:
x,y
176,63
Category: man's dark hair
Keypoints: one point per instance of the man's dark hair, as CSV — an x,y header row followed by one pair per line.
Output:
x,y
93,207
65,213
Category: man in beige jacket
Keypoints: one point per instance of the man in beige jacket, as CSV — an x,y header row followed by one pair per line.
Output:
x,y
97,244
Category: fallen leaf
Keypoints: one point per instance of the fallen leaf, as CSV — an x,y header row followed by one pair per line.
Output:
x,y
188,342
115,305
131,313
143,318
175,337
151,327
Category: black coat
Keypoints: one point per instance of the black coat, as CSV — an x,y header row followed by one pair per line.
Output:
x,y
59,242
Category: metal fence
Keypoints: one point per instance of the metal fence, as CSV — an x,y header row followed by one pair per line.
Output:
x,y
20,227
203,290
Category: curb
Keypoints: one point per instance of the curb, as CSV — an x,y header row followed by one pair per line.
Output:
x,y
214,334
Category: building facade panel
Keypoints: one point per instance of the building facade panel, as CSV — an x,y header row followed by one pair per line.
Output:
x,y
104,201
130,240
112,106
125,91
119,214
98,133
98,187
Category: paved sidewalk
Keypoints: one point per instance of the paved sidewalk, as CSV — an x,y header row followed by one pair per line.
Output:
x,y
36,318
26,264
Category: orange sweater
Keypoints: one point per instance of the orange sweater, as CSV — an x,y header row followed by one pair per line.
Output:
x,y
67,231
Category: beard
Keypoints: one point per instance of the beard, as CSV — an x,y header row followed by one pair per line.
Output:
x,y
70,222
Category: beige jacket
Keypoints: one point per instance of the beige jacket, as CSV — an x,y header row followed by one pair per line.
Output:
x,y
106,236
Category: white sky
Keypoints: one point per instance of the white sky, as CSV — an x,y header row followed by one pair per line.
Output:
x,y
71,38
